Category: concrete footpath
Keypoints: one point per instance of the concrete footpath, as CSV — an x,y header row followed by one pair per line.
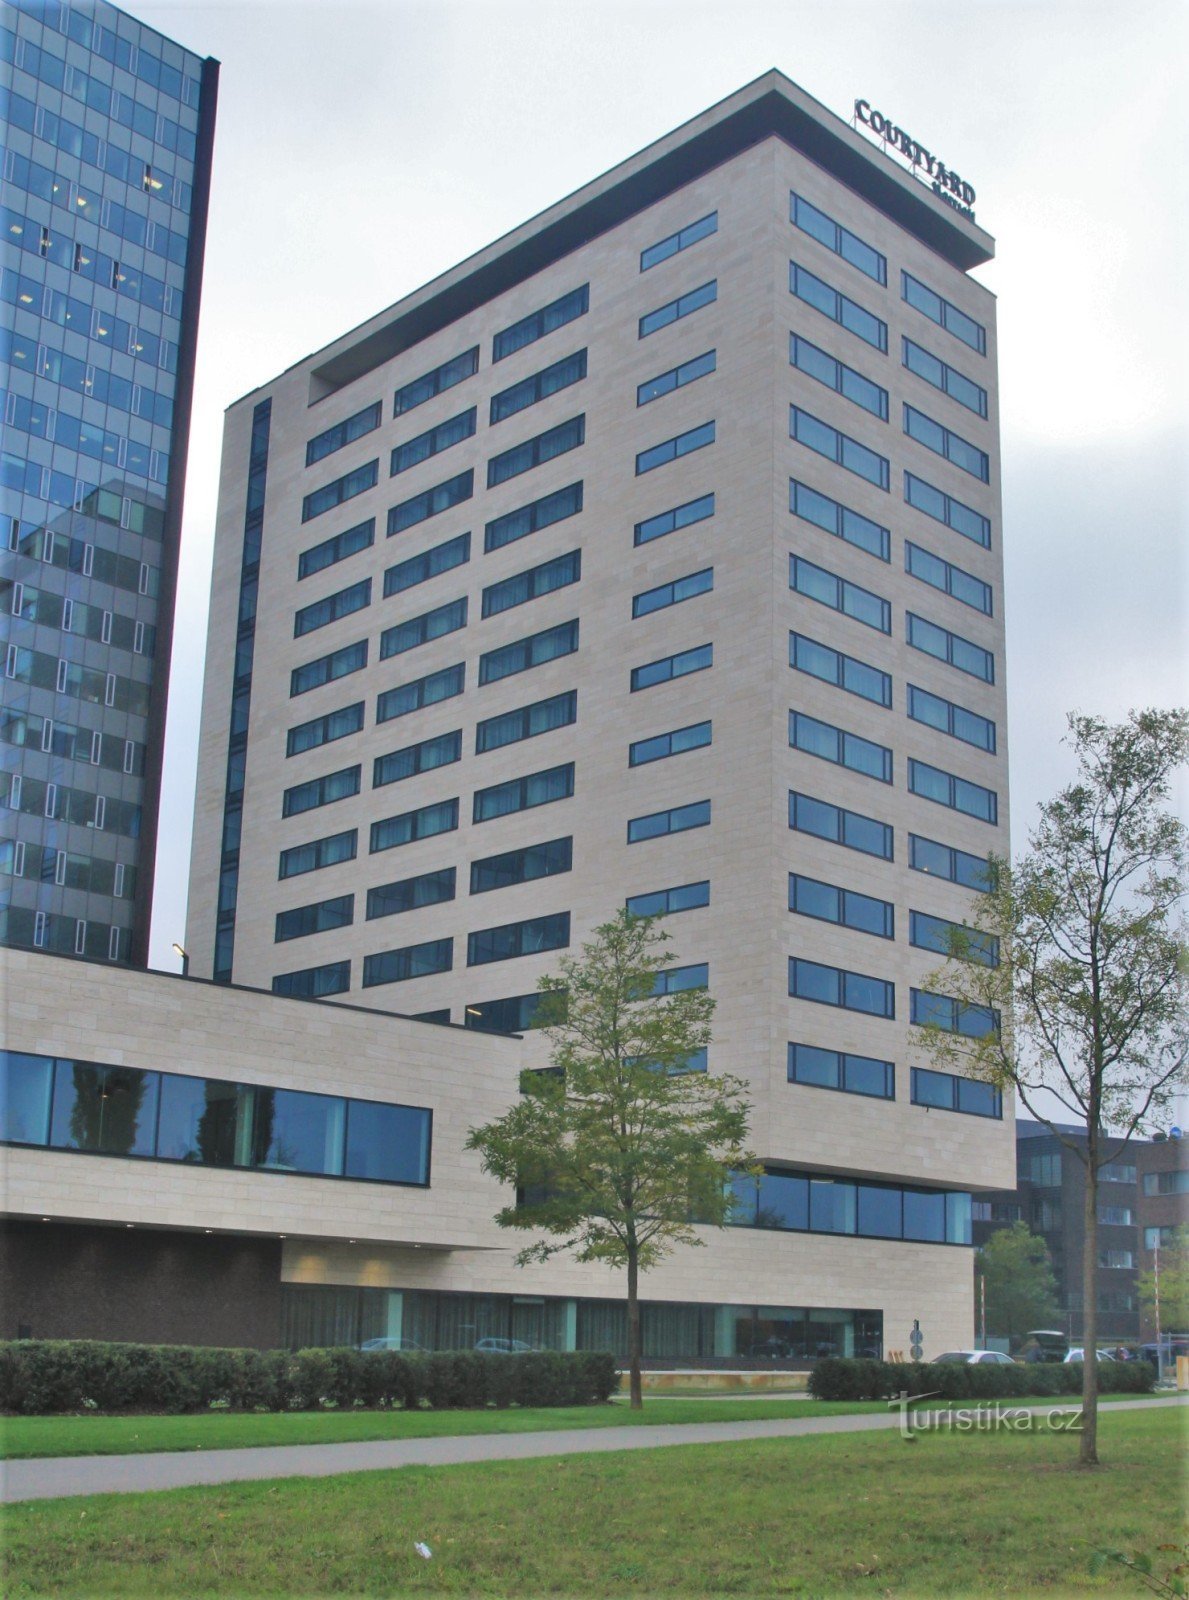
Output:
x,y
53,1477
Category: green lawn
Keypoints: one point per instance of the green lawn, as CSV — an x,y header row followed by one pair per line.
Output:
x,y
228,1430
950,1515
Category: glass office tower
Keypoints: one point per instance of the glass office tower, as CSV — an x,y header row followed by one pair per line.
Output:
x,y
108,131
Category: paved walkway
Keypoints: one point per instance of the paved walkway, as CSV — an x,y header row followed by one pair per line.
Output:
x,y
51,1478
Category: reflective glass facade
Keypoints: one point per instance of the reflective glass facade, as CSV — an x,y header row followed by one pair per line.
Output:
x,y
106,169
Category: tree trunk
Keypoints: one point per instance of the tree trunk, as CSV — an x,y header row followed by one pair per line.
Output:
x,y
637,1397
1088,1455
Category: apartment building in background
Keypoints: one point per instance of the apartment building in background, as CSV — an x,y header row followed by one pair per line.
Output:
x,y
107,142
650,557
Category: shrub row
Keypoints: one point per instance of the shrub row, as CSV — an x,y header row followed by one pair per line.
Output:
x,y
838,1379
38,1377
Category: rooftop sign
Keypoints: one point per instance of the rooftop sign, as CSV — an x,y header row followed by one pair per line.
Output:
x,y
947,184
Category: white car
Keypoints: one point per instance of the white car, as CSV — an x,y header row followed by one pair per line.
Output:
x,y
1078,1353
973,1358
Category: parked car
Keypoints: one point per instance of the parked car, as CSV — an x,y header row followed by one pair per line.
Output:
x,y
504,1347
976,1358
1077,1353
1170,1348
1043,1344
392,1344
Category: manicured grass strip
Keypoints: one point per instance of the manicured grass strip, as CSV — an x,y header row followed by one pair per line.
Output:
x,y
228,1430
950,1515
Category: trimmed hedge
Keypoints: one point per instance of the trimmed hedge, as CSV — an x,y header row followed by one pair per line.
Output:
x,y
838,1379
39,1377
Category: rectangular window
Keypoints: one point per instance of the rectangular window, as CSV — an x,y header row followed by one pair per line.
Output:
x,y
843,671
844,749
672,594
1116,1258
675,666
952,938
809,897
421,692
834,986
844,380
838,447
951,580
1116,1216
513,1014
951,1016
538,514
320,917
835,237
946,717
535,452
526,722
684,444
318,853
348,543
432,442
313,983
847,313
839,594
685,304
412,961
662,745
962,519
338,664
426,756
957,793
532,584
964,390
838,1069
527,938
332,607
677,980
943,442
409,826
1117,1172
523,794
945,315
529,391
667,902
445,557
943,1091
435,382
538,323
523,654
678,819
1173,1182
851,829
676,242
840,520
951,648
522,866
414,631
942,861
324,730
670,521
322,791
410,894
343,433
432,502
676,377
340,490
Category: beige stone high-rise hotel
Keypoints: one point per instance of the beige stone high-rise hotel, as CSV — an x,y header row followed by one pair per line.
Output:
x,y
651,556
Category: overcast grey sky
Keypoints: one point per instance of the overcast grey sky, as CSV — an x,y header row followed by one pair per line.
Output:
x,y
363,148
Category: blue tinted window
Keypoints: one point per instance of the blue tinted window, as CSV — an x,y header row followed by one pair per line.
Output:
x,y
522,866
835,237
410,894
675,666
678,819
850,828
960,388
676,242
526,722
435,381
840,520
684,305
949,579
666,902
423,823
671,594
666,522
952,938
945,315
838,307
538,323
325,729
942,861
342,433
948,718
529,391
318,853
676,378
944,442
845,672
312,983
445,557
949,790
961,518
951,648
534,452
810,897
427,691
835,986
319,917
659,455
408,962
838,447
662,745
322,791
340,604
431,443
836,375
816,583
432,502
522,794
533,583
342,489
513,939
313,674
435,624
829,743
531,518
397,765
523,654
338,548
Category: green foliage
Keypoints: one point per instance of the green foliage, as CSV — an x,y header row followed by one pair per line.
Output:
x,y
619,1152
1174,1286
837,1378
1170,1581
40,1377
1020,1287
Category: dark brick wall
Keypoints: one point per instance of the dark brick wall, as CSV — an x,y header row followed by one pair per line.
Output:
x,y
60,1281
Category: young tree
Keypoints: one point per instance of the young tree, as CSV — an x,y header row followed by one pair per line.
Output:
x,y
1018,1274
621,1148
1173,1287
1071,980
